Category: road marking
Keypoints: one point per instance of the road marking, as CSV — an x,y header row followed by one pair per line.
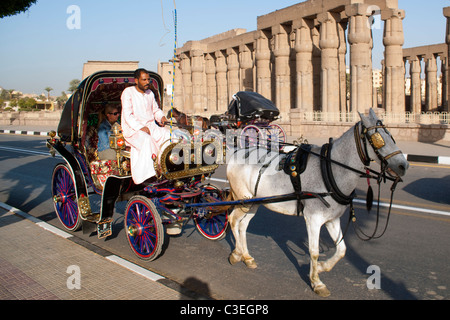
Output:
x,y
40,153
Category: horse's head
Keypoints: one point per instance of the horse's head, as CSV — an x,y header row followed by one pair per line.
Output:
x,y
383,147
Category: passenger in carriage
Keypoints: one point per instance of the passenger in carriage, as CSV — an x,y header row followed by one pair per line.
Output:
x,y
142,127
111,116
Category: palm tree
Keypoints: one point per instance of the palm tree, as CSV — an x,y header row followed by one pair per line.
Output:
x,y
48,89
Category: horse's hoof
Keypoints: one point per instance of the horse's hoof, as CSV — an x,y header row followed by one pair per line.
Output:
x,y
250,263
233,260
322,291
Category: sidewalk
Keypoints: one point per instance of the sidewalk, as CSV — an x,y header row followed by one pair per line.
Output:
x,y
36,264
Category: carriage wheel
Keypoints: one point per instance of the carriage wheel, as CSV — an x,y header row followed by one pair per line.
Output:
x,y
145,231
215,227
64,198
276,133
250,136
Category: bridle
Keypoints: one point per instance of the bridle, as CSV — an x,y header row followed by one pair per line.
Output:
x,y
376,141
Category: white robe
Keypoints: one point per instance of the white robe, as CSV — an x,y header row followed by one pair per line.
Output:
x,y
141,110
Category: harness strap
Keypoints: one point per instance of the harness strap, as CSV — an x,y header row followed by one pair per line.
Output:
x,y
328,177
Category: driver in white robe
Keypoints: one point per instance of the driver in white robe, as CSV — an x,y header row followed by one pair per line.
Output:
x,y
139,113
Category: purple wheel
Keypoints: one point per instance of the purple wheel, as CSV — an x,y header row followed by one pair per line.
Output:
x,y
251,136
276,134
64,198
144,228
212,227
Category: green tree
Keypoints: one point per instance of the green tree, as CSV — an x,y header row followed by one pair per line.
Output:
x,y
27,103
48,89
73,85
13,7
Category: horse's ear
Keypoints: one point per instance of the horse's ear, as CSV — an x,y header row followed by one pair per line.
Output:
x,y
364,119
372,114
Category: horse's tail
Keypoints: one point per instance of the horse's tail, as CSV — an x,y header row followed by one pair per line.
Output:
x,y
220,209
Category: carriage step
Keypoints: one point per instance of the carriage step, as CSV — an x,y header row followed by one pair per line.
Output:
x,y
104,228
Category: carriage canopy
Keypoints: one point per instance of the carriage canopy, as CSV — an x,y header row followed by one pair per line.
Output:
x,y
93,93
248,104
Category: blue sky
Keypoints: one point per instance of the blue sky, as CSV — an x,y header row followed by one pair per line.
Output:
x,y
39,50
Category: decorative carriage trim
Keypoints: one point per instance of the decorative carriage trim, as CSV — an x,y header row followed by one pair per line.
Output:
x,y
184,160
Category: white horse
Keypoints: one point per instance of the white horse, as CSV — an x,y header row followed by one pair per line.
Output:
x,y
351,150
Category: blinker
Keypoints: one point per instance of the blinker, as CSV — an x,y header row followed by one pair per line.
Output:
x,y
377,140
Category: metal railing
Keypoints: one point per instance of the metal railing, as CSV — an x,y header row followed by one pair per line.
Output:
x,y
387,118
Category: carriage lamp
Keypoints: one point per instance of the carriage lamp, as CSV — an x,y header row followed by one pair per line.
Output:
x,y
116,140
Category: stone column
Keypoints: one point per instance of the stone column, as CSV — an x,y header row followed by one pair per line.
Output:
x,y
197,68
246,68
304,66
262,58
178,100
329,43
233,72
211,87
221,79
187,82
393,39
416,85
444,70
447,40
282,71
360,39
431,83
342,51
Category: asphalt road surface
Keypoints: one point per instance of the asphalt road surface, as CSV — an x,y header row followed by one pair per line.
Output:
x,y
409,262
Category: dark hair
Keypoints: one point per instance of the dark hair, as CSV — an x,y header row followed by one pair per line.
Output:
x,y
137,73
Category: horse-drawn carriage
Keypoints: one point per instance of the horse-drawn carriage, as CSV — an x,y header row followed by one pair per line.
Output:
x,y
249,114
325,176
152,209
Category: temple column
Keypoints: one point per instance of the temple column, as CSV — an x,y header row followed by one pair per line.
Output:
x,y
262,58
416,86
342,51
178,100
221,81
246,68
431,83
211,88
360,39
187,82
444,70
282,75
393,39
233,72
197,68
304,66
329,43
446,11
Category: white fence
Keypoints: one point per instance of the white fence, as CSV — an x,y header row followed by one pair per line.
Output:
x,y
387,118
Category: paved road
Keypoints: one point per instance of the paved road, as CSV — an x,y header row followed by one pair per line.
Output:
x,y
412,256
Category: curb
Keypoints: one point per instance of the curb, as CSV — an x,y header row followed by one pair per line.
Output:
x,y
28,133
428,159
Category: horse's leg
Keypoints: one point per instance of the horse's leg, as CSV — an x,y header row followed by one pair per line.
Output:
x,y
239,221
246,257
235,219
335,231
313,225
